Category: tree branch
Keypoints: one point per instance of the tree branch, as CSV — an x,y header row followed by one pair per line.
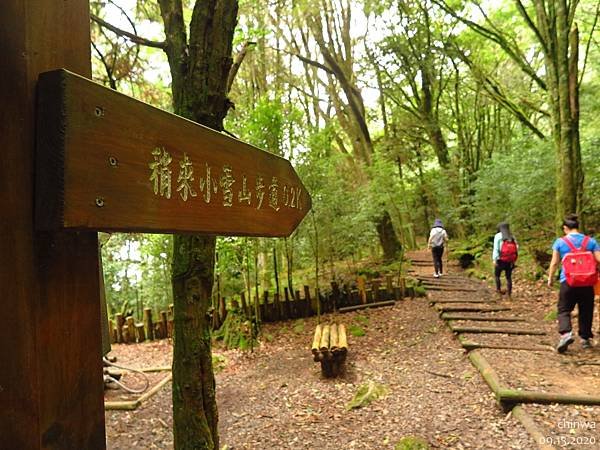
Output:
x,y
237,63
132,37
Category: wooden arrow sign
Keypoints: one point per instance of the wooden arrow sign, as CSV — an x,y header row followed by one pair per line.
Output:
x,y
106,161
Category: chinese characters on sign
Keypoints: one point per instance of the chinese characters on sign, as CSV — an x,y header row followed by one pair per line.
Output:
x,y
212,181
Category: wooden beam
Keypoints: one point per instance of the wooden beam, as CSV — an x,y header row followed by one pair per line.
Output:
x,y
50,343
106,161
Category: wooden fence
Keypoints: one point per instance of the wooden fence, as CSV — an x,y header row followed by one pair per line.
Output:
x,y
270,308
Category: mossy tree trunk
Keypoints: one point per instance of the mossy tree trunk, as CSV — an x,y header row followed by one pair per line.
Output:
x,y
200,63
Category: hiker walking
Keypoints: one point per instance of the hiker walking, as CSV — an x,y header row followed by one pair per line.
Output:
x,y
437,238
504,255
579,255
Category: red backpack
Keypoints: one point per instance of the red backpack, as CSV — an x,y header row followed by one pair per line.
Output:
x,y
579,265
508,251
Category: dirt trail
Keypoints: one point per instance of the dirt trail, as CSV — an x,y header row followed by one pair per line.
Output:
x,y
276,398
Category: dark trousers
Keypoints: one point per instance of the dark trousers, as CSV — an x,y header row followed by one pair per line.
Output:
x,y
437,253
507,268
568,297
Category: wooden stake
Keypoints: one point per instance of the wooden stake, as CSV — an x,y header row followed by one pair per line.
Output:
x,y
130,329
139,331
120,321
324,344
148,323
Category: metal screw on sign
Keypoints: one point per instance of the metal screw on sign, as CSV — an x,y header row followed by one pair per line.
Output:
x,y
99,111
99,202
113,161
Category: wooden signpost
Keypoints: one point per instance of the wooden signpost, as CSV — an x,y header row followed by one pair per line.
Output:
x,y
104,162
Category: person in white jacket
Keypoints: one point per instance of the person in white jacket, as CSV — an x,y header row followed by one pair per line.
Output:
x,y
437,239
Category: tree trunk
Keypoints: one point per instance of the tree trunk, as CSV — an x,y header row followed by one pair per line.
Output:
x,y
195,414
200,72
387,237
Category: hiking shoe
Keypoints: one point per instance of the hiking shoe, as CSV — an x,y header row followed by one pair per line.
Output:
x,y
436,275
586,343
566,339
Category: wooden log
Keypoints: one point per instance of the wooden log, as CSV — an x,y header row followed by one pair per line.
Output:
x,y
529,424
511,397
442,300
470,345
324,344
397,293
490,330
316,340
430,287
486,371
164,327
369,294
465,308
131,329
342,339
170,327
148,323
171,310
139,331
299,309
333,337
481,318
368,305
402,287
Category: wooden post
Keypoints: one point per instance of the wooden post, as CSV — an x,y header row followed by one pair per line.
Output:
x,y
335,295
389,287
120,321
276,306
130,329
164,327
307,299
375,291
148,323
139,332
51,388
361,286
299,309
288,305
112,332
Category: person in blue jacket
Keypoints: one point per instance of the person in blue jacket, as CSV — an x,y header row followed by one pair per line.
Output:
x,y
570,296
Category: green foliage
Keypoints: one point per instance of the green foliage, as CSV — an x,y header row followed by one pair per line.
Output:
x,y
367,393
236,331
137,272
362,320
356,330
411,443
299,326
219,362
518,187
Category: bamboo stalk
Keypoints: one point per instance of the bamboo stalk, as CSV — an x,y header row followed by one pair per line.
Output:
x,y
316,340
324,345
333,337
342,339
